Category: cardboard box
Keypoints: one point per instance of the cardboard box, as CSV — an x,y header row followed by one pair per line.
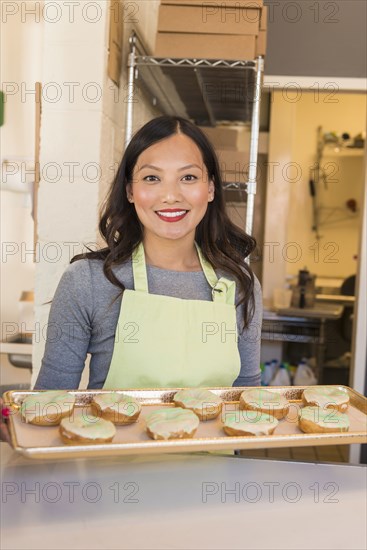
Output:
x,y
215,3
260,48
233,161
209,46
115,42
234,177
244,138
264,18
221,138
204,19
226,140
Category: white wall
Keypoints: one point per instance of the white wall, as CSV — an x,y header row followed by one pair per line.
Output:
x,y
73,53
358,375
21,46
277,194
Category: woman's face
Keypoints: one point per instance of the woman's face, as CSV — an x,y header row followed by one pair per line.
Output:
x,y
170,188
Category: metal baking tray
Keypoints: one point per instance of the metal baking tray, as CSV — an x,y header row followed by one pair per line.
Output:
x,y
40,442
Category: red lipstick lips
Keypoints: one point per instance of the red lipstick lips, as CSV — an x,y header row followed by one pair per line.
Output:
x,y
171,214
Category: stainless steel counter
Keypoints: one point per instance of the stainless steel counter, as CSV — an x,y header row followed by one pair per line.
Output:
x,y
188,501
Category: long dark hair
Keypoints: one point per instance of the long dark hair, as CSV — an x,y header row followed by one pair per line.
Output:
x,y
223,243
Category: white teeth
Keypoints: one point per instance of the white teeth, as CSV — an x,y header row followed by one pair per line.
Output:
x,y
172,214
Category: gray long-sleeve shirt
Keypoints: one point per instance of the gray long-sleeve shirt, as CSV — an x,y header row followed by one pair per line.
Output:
x,y
84,315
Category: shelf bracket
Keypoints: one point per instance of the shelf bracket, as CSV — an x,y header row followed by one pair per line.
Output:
x,y
254,145
130,89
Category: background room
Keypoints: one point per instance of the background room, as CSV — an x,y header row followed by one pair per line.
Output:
x,y
73,126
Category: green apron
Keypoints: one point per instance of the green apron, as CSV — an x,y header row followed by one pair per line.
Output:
x,y
166,342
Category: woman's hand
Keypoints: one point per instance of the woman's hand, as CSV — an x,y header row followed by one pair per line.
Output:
x,y
4,430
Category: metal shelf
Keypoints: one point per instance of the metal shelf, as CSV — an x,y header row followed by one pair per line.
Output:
x,y
207,91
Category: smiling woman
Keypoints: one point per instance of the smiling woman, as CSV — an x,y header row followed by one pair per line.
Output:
x,y
170,301
178,190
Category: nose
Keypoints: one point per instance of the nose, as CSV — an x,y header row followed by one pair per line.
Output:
x,y
171,191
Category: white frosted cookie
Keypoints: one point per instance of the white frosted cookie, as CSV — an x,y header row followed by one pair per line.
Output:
x,y
47,408
81,429
318,420
204,403
248,422
326,397
270,402
171,423
117,407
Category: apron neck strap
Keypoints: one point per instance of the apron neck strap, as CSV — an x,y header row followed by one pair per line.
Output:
x,y
223,290
139,269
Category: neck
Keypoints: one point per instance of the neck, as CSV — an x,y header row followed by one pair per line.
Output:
x,y
176,255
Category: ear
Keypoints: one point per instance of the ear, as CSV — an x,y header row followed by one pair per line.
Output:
x,y
211,191
129,193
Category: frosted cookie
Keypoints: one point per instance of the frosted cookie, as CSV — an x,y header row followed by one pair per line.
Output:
x,y
326,397
317,420
171,423
249,423
117,407
47,408
257,399
80,429
204,403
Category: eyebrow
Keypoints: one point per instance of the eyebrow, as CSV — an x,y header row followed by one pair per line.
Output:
x,y
190,166
150,166
160,169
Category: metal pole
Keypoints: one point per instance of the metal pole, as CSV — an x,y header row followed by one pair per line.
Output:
x,y
254,145
130,90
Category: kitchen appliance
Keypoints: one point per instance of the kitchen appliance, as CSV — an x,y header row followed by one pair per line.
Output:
x,y
304,293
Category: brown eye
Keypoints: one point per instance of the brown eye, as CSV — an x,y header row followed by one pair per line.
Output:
x,y
189,177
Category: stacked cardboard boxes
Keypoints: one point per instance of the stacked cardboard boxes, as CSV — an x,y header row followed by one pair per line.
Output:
x,y
261,37
233,165
232,147
225,29
221,137
233,162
